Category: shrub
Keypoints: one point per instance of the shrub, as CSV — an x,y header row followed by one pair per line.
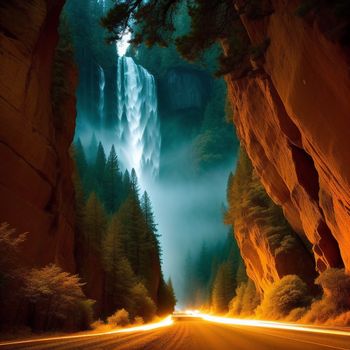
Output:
x,y
320,311
245,301
55,294
9,251
138,320
336,287
10,274
340,320
334,306
296,314
119,318
143,305
282,297
97,324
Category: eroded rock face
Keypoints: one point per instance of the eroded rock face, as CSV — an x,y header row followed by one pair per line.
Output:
x,y
36,192
293,117
266,265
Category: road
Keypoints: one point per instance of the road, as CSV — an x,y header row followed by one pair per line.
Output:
x,y
198,335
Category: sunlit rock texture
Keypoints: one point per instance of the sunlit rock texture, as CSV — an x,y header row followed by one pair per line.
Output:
x,y
292,116
36,193
271,249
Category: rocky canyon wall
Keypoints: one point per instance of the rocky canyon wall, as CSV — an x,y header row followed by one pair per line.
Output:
x,y
292,116
36,192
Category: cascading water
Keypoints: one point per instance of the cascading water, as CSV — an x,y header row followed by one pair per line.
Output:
x,y
101,102
139,137
103,3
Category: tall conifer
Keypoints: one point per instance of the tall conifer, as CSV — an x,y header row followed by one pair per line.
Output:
x,y
112,182
95,222
80,158
99,170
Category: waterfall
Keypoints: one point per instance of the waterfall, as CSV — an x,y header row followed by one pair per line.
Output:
x,y
103,3
138,123
101,101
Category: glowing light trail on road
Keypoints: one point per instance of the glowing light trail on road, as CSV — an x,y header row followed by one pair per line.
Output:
x,y
168,321
271,324
147,327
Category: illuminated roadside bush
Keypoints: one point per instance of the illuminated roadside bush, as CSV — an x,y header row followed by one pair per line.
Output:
x,y
282,297
10,244
296,314
98,324
119,318
245,301
334,306
10,273
138,321
54,295
336,287
143,305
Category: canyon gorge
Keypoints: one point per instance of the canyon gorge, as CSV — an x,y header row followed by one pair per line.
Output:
x,y
288,102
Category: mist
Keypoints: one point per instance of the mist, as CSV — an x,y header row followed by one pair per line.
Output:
x,y
188,212
166,119
189,208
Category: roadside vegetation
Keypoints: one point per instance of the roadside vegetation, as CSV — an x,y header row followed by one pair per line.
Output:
x,y
116,238
117,230
54,299
289,298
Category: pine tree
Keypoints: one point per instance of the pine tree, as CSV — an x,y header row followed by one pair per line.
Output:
x,y
203,266
237,186
112,182
146,206
150,248
234,255
132,227
224,288
126,186
80,158
148,213
79,200
133,224
171,292
92,149
120,278
95,222
100,163
166,297
190,278
79,220
112,248
143,305
134,185
99,170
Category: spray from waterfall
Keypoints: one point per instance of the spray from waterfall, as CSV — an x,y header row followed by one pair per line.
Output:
x,y
103,3
138,131
101,102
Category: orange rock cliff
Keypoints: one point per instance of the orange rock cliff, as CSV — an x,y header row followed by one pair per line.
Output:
x,y
292,116
36,191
